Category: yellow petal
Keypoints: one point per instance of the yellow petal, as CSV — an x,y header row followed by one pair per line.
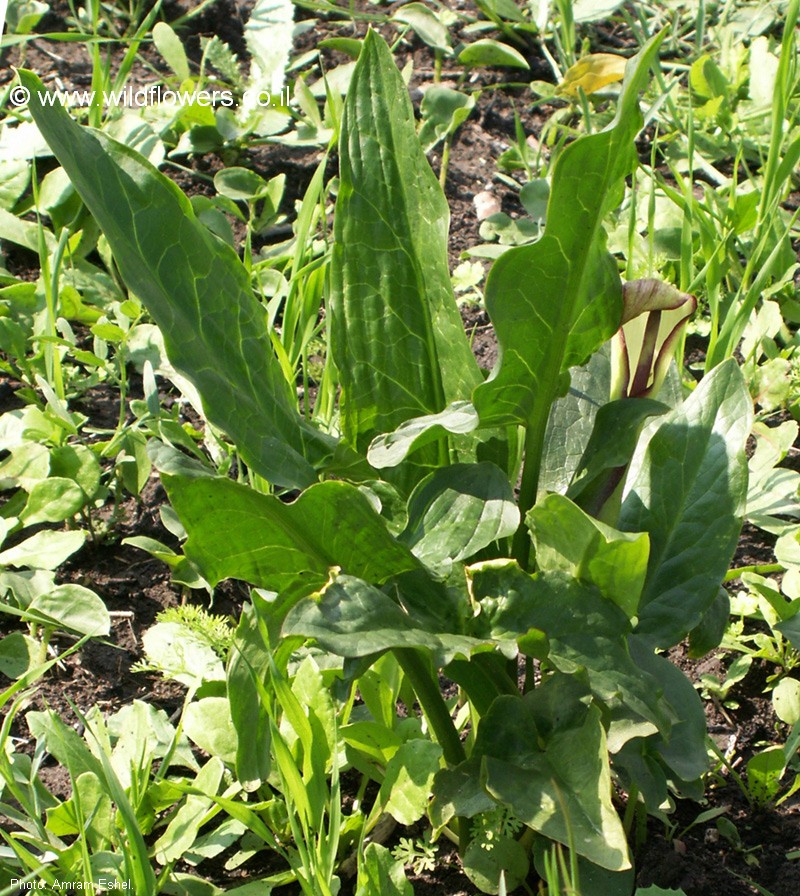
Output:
x,y
592,73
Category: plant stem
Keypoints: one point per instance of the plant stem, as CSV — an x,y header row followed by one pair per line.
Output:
x,y
448,142
534,448
430,699
436,712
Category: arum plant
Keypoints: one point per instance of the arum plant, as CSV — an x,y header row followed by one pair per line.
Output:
x,y
403,532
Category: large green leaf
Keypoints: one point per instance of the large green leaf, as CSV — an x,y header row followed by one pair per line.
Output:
x,y
571,421
458,510
544,756
556,301
354,619
584,631
197,291
568,540
236,532
598,479
396,334
683,749
687,489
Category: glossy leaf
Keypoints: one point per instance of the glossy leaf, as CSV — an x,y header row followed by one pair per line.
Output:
x,y
683,748
458,510
44,550
71,607
584,630
571,421
282,546
544,756
556,301
354,619
390,449
197,291
396,334
406,786
486,51
568,540
687,489
601,471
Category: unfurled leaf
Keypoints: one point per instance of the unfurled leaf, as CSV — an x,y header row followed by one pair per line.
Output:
x,y
687,489
544,756
268,36
285,547
44,550
71,607
52,500
392,448
207,723
18,653
179,653
683,748
171,49
785,700
443,110
185,824
764,773
571,422
553,303
583,630
248,670
381,875
197,291
396,334
425,22
485,861
407,783
354,619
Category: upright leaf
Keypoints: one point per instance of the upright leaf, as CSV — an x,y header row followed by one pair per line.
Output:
x,y
556,301
397,337
247,668
688,489
197,291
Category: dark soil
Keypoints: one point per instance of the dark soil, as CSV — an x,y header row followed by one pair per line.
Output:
x,y
136,587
